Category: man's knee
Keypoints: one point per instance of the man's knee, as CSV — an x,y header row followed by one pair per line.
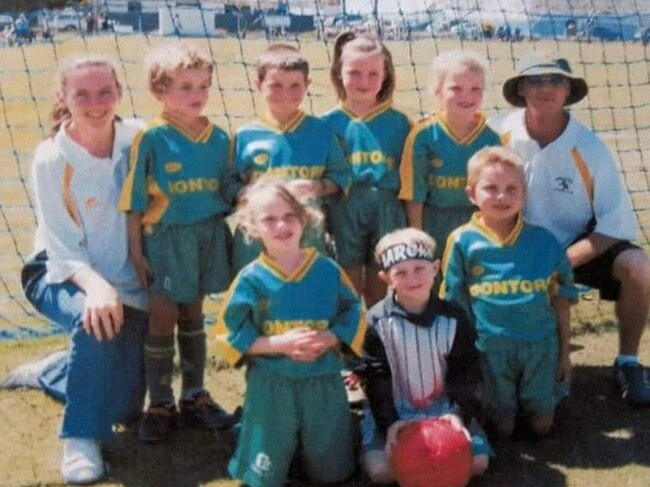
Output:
x,y
632,268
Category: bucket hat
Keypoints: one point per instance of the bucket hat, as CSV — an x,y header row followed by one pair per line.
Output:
x,y
538,63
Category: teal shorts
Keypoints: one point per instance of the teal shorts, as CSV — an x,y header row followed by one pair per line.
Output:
x,y
360,219
188,261
440,222
281,413
520,377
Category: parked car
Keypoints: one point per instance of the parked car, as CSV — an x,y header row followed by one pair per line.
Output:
x,y
6,19
466,30
69,20
335,24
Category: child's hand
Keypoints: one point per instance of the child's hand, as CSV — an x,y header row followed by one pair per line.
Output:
x,y
103,313
456,423
392,432
322,341
143,270
352,380
564,368
305,188
312,345
299,344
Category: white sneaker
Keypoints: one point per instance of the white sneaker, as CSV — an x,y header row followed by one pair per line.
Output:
x,y
27,375
82,461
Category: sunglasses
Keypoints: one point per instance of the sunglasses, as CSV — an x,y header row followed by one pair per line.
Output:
x,y
548,79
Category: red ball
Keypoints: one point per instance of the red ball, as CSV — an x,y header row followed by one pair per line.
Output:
x,y
430,453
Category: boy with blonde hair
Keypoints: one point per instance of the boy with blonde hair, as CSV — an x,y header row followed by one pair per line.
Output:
x,y
516,280
286,142
179,188
434,164
420,360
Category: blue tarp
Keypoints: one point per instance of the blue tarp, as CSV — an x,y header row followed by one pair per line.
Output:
x,y
603,27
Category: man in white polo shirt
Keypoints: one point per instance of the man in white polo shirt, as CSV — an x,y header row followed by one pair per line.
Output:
x,y
575,191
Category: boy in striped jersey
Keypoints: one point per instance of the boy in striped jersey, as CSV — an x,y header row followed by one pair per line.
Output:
x,y
420,360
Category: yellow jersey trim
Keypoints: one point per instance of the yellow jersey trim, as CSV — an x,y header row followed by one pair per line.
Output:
x,y
308,260
375,112
479,119
199,138
290,126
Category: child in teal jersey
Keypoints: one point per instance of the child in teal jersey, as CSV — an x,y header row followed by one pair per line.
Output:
x,y
288,316
286,142
516,279
372,135
434,166
178,191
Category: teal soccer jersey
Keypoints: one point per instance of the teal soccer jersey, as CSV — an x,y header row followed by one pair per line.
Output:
x,y
263,301
507,284
434,165
305,148
175,178
372,144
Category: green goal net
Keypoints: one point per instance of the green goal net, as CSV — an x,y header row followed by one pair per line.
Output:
x,y
606,41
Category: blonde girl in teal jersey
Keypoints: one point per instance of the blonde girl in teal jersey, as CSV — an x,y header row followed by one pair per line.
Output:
x,y
288,316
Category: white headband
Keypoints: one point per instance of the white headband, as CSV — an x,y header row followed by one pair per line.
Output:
x,y
401,252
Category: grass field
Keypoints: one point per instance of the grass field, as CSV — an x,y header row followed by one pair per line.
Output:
x,y
597,442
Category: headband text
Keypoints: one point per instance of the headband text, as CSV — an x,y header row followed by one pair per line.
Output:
x,y
401,252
